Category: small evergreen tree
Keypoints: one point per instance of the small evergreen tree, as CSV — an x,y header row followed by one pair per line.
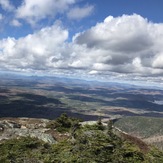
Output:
x,y
109,126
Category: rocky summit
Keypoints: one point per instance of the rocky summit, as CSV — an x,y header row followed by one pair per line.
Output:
x,y
23,127
67,139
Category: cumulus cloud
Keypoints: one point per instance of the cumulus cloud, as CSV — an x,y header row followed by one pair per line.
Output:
x,y
35,51
158,61
6,5
78,13
34,10
126,47
127,44
116,33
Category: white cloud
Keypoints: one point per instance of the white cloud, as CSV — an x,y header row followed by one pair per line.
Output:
x,y
6,5
127,47
116,33
158,61
127,44
34,10
15,23
33,51
78,13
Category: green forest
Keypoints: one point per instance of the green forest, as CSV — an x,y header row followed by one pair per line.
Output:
x,y
96,143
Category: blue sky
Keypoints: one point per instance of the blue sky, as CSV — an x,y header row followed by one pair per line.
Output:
x,y
148,9
118,40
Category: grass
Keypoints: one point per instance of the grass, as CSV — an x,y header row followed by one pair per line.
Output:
x,y
142,126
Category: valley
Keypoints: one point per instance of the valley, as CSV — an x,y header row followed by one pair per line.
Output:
x,y
48,97
135,110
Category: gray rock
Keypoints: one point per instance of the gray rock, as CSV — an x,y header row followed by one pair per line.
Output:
x,y
10,129
9,124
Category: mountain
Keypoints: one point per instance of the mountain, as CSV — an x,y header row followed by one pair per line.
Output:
x,y
68,140
30,130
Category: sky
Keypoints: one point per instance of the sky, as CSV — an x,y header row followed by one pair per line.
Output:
x,y
110,40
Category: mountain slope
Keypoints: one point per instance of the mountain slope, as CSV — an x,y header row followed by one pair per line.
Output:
x,y
147,128
76,142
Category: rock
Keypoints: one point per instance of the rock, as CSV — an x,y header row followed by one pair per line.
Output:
x,y
88,123
12,129
1,128
15,133
9,124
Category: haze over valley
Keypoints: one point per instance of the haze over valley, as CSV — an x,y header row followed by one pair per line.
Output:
x,y
48,97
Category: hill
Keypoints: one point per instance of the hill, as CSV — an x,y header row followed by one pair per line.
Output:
x,y
74,141
48,97
147,128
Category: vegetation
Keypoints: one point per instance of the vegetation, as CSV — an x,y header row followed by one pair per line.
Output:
x,y
144,126
64,123
31,96
148,128
86,144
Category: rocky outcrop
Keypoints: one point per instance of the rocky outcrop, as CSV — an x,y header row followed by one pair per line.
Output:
x,y
25,127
